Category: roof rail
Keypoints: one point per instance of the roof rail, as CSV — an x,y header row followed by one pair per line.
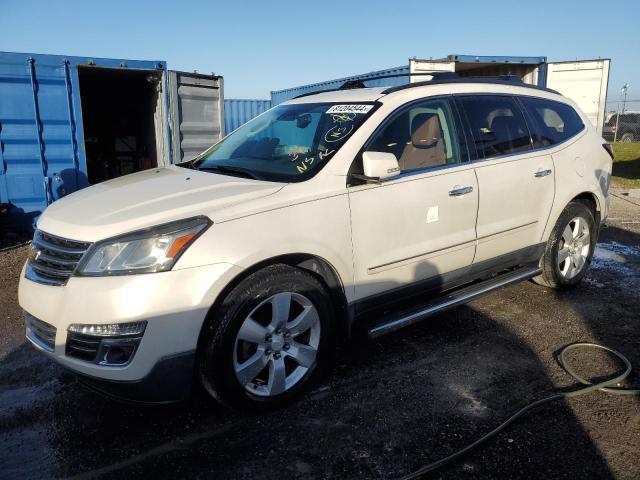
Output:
x,y
436,78
359,82
498,80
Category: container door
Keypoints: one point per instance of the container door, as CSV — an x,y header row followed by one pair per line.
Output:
x,y
429,66
197,113
39,149
585,82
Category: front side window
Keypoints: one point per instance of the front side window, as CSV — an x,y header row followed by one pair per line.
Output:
x,y
288,143
497,125
554,122
421,136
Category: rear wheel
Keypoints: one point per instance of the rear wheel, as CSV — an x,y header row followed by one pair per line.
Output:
x,y
269,340
570,247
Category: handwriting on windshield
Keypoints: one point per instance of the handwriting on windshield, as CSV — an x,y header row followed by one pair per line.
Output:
x,y
343,117
338,132
305,163
322,155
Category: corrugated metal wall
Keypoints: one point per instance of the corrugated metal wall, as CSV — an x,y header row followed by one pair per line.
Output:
x,y
237,112
280,96
42,145
196,113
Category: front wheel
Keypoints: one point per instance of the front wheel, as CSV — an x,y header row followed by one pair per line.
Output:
x,y
570,247
269,341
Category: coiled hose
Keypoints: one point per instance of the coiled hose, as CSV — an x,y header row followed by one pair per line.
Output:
x,y
604,386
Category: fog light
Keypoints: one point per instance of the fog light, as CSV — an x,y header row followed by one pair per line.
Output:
x,y
106,345
117,352
109,330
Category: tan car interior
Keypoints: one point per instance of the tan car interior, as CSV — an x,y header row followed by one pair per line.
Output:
x,y
426,146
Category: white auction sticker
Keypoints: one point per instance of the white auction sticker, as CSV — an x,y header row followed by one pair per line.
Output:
x,y
350,109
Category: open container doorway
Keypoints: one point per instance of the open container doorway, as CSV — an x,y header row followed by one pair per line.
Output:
x,y
122,115
68,122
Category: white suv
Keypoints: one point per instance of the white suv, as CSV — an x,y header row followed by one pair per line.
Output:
x,y
368,207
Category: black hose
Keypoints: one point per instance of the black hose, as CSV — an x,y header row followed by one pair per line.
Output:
x,y
604,386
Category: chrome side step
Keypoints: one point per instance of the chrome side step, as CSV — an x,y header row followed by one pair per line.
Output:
x,y
452,299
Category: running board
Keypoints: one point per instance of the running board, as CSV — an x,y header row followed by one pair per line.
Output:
x,y
452,299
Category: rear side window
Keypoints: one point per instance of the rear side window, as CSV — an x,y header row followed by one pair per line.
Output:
x,y
554,122
497,125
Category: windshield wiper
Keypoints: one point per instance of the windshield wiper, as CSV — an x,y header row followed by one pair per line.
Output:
x,y
237,171
188,164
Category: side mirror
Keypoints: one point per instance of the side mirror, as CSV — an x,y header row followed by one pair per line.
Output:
x,y
380,165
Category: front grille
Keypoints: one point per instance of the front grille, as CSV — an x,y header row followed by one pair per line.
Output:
x,y
52,260
84,347
40,333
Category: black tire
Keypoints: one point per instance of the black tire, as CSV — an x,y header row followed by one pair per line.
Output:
x,y
551,274
626,137
218,349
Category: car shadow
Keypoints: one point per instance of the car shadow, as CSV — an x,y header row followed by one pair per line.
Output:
x,y
629,169
390,406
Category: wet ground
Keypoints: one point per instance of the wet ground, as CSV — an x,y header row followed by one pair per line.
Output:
x,y
388,407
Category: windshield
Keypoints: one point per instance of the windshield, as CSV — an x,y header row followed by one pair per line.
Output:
x,y
288,143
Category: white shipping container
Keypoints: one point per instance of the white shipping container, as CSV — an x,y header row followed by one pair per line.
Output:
x,y
584,81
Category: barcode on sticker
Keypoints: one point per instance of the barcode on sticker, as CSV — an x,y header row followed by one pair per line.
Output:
x,y
350,109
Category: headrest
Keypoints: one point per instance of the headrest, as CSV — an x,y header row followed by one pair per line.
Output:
x,y
425,130
501,124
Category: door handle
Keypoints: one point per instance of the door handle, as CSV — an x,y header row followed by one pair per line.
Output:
x,y
542,173
459,191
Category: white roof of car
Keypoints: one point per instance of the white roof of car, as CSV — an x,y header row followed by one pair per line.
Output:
x,y
353,95
372,94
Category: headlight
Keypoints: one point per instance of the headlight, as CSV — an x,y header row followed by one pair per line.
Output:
x,y
151,250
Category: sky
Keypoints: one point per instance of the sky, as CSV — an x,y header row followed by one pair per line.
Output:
x,y
259,46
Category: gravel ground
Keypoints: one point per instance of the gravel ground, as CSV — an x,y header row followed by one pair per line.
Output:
x,y
388,407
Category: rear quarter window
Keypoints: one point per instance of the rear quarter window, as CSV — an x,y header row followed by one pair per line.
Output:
x,y
553,122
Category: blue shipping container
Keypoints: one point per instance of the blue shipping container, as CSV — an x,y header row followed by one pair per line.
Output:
x,y
42,151
68,122
237,112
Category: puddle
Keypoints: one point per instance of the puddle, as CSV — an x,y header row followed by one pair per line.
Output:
x,y
614,256
615,251
621,260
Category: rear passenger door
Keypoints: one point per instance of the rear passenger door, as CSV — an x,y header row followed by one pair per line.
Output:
x,y
516,183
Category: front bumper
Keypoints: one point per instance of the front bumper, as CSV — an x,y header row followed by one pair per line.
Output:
x,y
170,380
174,304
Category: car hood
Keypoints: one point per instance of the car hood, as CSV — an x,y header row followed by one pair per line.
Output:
x,y
146,199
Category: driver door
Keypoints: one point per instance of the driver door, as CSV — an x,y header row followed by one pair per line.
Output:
x,y
417,229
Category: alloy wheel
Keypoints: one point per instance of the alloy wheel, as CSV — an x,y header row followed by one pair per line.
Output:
x,y
277,344
573,248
